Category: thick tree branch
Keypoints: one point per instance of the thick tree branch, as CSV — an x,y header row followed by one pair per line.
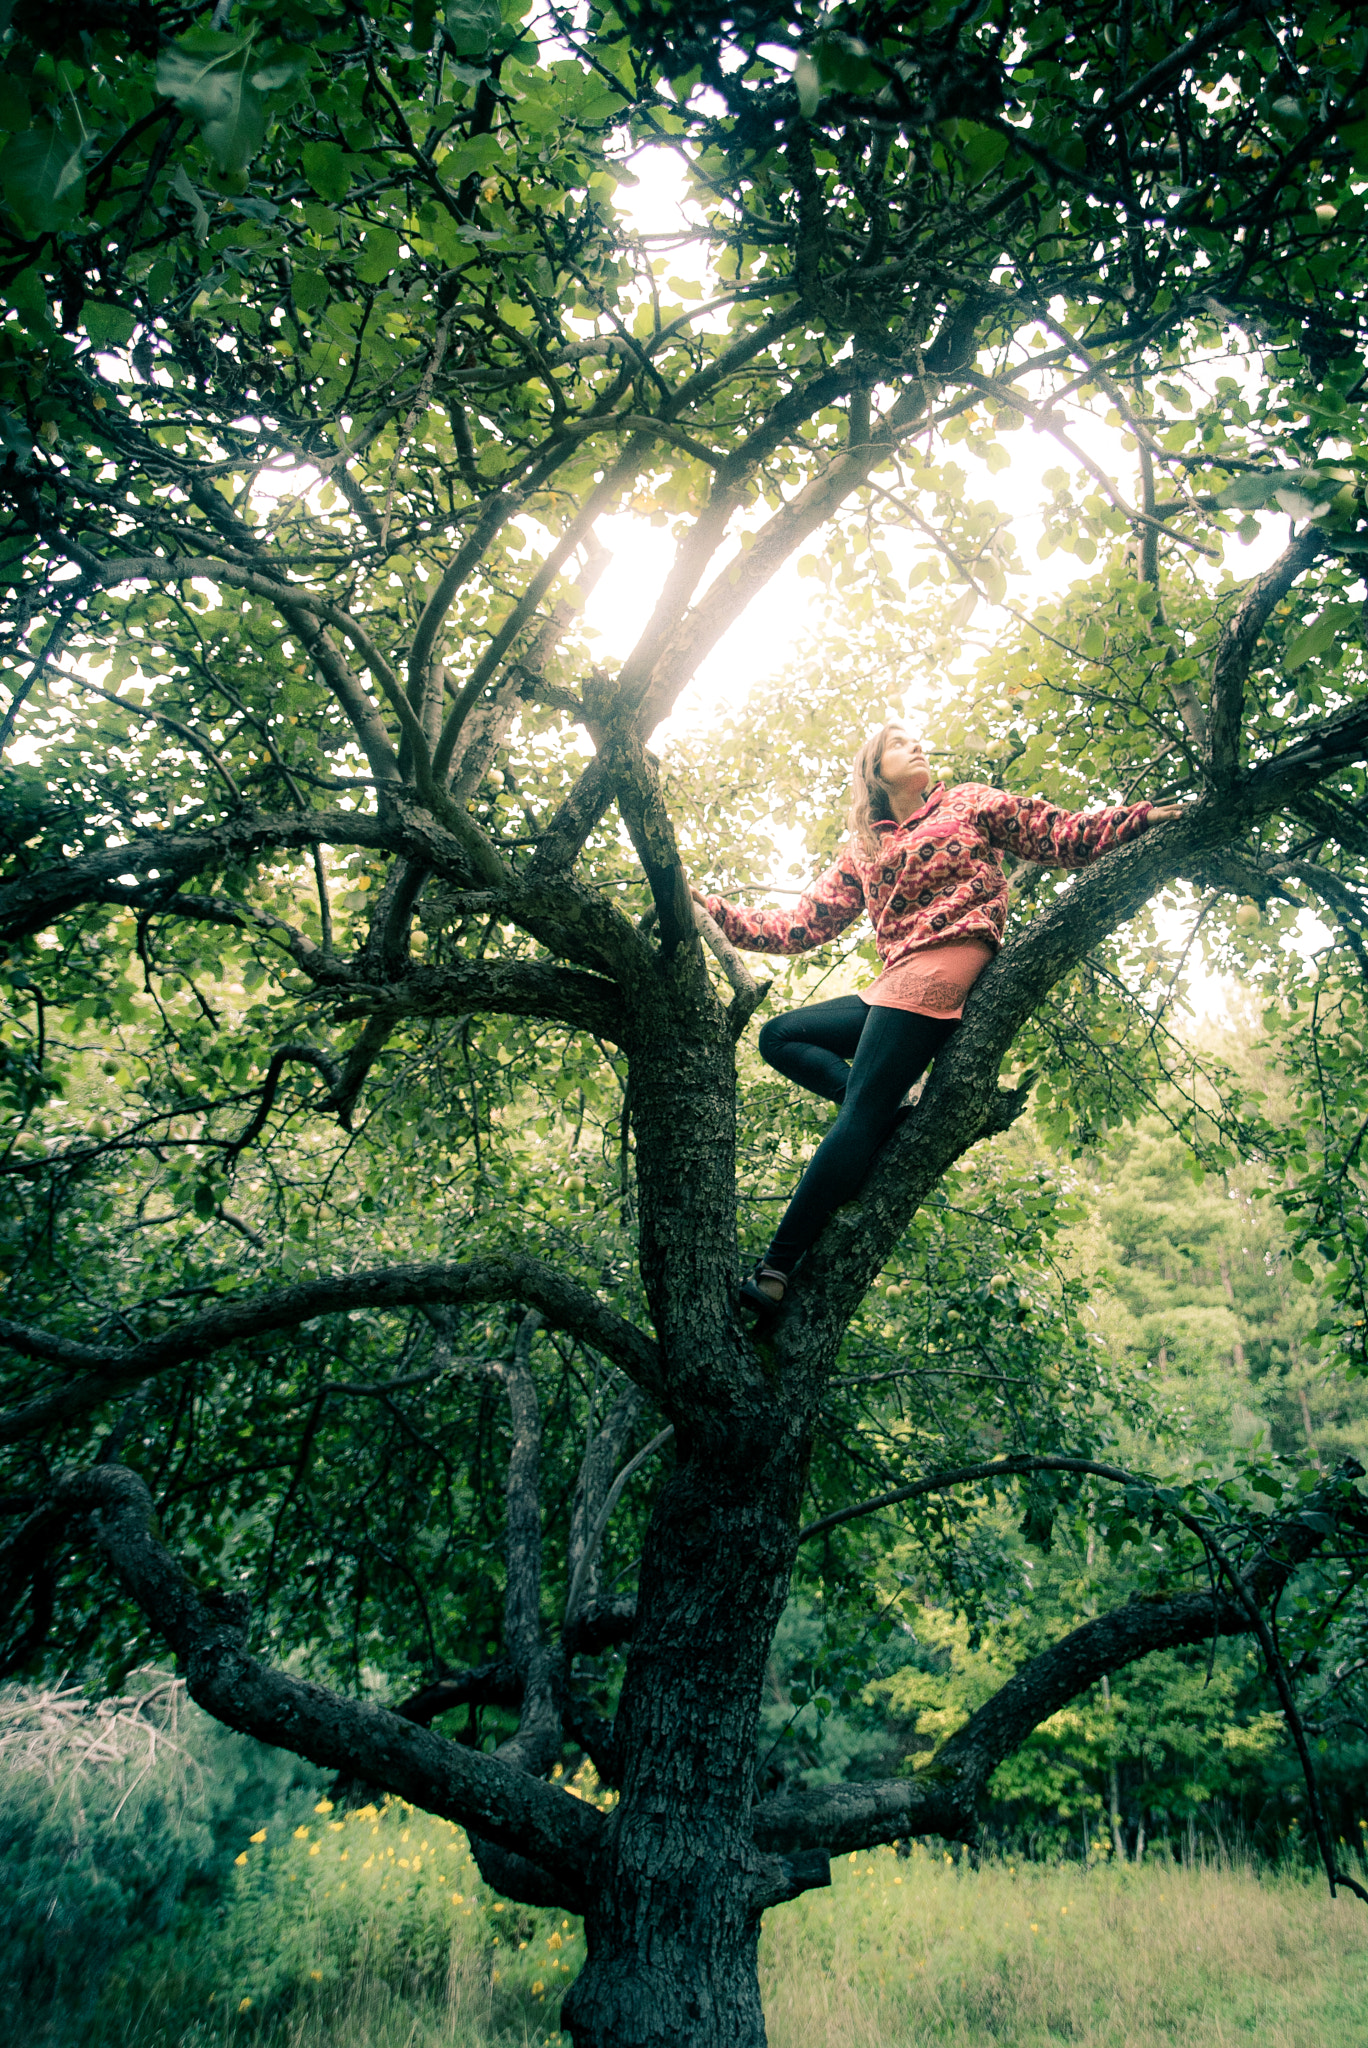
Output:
x,y
944,1798
495,1684
29,902
576,1595
511,988
105,1371
519,1812
648,821
537,1741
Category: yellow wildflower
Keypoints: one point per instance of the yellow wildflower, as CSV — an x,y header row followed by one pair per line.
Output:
x,y
555,1942
244,2005
240,1860
314,1848
324,1806
259,1836
538,1988
301,1834
317,1976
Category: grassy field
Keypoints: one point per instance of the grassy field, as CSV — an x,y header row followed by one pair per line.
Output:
x,y
915,1952
373,1931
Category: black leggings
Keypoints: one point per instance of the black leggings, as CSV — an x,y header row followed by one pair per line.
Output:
x,y
865,1058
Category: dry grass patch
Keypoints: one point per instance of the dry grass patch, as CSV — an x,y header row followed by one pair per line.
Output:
x,y
919,1951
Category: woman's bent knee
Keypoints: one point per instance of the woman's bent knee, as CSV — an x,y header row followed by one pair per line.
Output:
x,y
771,1041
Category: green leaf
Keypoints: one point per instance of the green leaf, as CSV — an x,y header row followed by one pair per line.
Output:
x,y
983,149
1318,636
1247,493
183,189
309,289
1301,1271
107,326
1095,641
14,107
42,172
478,153
807,80
216,80
206,75
378,257
326,168
472,25
843,64
1297,505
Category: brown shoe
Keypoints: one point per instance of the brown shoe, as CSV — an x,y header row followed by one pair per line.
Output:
x,y
753,1293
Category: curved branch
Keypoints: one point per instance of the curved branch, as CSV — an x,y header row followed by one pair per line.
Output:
x,y
521,1813
304,610
513,988
938,1482
601,1521
945,1797
29,902
309,1055
105,1371
1235,653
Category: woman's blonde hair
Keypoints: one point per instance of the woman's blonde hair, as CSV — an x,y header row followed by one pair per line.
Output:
x,y
869,798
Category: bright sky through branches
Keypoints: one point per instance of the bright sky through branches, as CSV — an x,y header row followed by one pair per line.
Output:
x,y
779,620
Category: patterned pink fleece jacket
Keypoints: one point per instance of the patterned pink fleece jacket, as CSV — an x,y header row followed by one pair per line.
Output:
x,y
938,876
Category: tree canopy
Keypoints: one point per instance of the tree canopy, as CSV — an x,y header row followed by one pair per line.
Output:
x,y
382,1119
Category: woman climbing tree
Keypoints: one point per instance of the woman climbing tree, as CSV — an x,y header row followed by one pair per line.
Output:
x,y
924,862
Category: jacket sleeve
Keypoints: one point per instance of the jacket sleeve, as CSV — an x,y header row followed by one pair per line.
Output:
x,y
827,908
1036,830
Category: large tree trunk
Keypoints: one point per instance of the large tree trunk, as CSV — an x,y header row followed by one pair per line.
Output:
x,y
680,1885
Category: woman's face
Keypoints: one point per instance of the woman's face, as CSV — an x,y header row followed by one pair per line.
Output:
x,y
903,766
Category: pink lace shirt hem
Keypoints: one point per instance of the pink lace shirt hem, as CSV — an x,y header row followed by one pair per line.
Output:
x,y
935,982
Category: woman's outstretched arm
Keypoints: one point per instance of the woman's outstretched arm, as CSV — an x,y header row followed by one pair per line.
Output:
x,y
1036,830
824,910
